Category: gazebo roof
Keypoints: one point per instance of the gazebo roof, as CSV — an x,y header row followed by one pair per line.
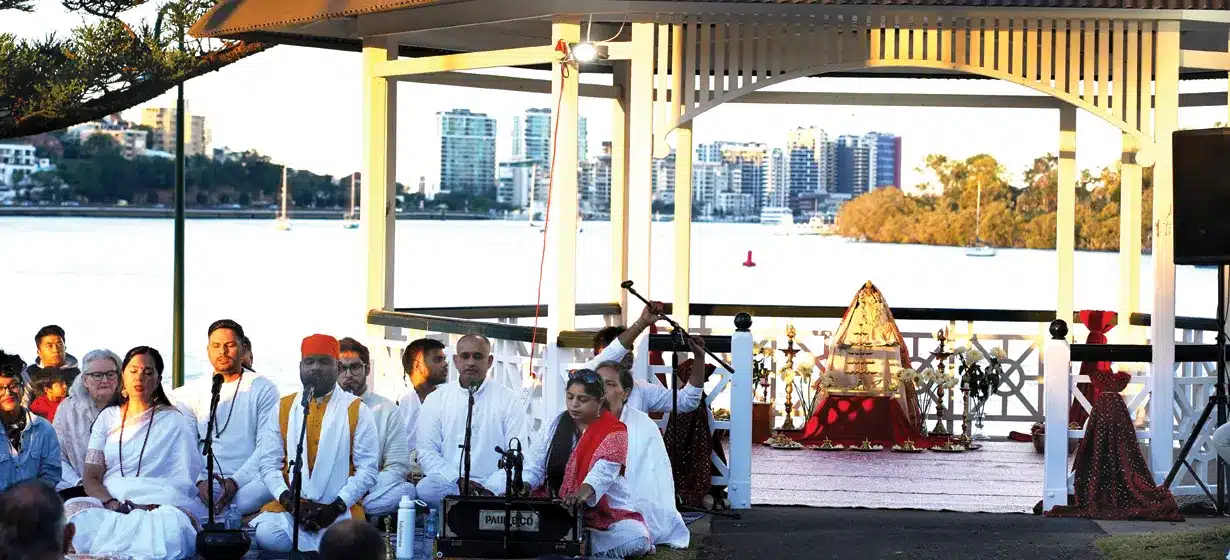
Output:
x,y
431,27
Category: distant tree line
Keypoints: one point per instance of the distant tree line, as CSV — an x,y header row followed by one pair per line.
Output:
x,y
1021,216
96,172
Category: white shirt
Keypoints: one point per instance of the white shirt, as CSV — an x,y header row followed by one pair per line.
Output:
x,y
650,482
394,453
238,421
410,404
646,396
499,415
273,452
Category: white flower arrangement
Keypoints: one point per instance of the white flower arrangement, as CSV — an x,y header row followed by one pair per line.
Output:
x,y
974,356
948,382
907,375
928,375
998,353
960,349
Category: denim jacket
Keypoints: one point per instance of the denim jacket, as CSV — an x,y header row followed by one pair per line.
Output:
x,y
39,457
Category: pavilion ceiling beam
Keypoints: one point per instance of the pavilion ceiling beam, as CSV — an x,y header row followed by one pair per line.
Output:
x,y
452,15
507,83
639,9
524,56
1205,60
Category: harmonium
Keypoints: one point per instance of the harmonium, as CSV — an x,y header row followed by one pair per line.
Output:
x,y
475,527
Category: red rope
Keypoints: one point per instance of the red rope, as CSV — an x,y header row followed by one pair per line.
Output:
x,y
546,220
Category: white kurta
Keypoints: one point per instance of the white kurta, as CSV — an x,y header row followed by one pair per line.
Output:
x,y
168,468
499,415
651,480
646,396
329,477
391,483
243,406
628,537
409,404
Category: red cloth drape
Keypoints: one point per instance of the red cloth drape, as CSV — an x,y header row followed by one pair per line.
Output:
x,y
1099,323
849,419
1111,478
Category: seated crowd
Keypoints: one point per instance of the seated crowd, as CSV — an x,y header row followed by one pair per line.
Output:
x,y
102,443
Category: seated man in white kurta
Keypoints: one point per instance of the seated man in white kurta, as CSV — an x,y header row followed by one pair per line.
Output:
x,y
340,454
426,369
498,416
612,344
391,482
245,401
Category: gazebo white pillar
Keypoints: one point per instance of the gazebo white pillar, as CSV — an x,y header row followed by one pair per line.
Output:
x,y
1165,122
378,212
640,163
681,302
1130,179
619,188
1065,215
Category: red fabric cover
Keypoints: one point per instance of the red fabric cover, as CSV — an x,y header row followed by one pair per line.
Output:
x,y
849,419
606,439
1099,323
583,453
690,445
1111,478
43,406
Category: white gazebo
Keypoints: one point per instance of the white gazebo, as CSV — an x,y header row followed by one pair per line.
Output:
x,y
673,60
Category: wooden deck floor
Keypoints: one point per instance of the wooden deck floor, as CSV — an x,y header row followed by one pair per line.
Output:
x,y
1002,477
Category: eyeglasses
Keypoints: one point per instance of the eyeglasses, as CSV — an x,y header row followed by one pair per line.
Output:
x,y
101,375
13,389
353,369
585,375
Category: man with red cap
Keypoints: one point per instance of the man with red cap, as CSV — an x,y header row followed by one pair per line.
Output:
x,y
340,453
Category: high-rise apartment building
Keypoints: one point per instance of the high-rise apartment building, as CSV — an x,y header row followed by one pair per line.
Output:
x,y
777,191
853,165
163,128
467,151
812,161
748,164
884,159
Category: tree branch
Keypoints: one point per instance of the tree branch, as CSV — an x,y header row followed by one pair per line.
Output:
x,y
19,5
119,100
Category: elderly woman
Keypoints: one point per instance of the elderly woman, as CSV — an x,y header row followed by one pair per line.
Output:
x,y
140,472
90,394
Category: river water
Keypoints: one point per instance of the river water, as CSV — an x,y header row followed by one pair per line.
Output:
x,y
108,282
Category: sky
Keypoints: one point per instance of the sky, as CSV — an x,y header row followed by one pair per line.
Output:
x,y
301,107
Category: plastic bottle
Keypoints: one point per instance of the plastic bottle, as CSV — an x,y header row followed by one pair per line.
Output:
x,y
232,517
430,526
405,529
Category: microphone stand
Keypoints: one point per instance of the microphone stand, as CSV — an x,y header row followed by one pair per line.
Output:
x,y
465,446
297,481
208,450
627,285
510,461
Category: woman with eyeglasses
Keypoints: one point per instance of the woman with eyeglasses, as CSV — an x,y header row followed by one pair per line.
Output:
x,y
140,473
580,457
90,394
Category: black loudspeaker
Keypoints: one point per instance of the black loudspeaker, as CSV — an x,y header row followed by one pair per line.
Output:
x,y
1202,196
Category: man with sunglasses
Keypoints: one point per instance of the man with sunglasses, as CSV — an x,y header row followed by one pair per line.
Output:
x,y
246,401
33,451
394,462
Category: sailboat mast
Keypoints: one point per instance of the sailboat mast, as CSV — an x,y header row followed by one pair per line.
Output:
x,y
283,191
352,194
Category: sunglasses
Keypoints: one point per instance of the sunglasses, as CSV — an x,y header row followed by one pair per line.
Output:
x,y
588,376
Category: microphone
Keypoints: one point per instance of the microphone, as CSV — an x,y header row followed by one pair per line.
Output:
x,y
217,383
625,284
307,395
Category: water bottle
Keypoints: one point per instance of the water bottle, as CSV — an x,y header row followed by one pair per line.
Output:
x,y
232,517
405,529
217,490
430,526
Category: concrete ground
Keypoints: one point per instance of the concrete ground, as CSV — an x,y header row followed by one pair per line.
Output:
x,y
766,533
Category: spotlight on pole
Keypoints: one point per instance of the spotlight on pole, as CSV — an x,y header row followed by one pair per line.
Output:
x,y
587,52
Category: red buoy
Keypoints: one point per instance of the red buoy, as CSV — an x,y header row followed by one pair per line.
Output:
x,y
749,262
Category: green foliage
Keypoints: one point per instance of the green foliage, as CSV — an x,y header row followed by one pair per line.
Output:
x,y
103,66
944,213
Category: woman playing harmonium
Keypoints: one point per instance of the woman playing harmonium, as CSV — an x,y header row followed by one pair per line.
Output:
x,y
140,472
580,457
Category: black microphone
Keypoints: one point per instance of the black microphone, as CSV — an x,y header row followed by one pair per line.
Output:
x,y
625,284
217,383
307,395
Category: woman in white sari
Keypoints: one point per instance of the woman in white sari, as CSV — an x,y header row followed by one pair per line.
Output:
x,y
649,467
140,472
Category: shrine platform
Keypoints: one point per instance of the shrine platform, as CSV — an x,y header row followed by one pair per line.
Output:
x,y
1002,477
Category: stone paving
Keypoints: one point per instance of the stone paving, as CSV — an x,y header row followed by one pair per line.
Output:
x,y
1002,477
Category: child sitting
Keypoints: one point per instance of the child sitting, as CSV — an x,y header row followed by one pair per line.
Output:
x,y
54,392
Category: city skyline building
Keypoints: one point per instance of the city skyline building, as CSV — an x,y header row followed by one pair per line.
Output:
x,y
467,151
